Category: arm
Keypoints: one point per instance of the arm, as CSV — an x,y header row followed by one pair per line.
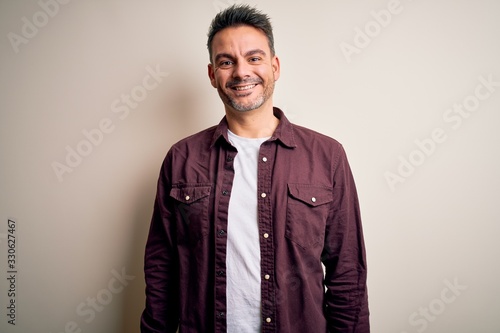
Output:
x,y
346,298
161,264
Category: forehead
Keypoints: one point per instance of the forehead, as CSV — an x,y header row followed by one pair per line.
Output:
x,y
240,39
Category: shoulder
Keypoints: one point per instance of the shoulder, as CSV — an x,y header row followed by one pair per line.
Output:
x,y
197,140
195,146
305,137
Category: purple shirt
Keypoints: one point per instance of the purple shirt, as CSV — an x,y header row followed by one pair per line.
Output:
x,y
308,214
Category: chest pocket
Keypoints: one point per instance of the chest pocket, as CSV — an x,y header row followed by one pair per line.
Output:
x,y
307,212
192,211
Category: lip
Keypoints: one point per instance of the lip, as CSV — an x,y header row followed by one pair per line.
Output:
x,y
243,88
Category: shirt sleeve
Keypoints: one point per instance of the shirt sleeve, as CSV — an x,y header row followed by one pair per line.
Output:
x,y
346,298
161,263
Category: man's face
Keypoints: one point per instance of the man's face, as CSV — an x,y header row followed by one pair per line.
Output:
x,y
242,68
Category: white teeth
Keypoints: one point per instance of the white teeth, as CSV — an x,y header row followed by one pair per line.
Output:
x,y
245,87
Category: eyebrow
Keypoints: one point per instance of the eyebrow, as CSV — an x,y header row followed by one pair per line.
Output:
x,y
247,54
255,51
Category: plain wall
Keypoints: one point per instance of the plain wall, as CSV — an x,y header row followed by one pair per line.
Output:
x,y
410,88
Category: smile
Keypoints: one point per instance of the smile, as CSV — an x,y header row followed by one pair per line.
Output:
x,y
242,88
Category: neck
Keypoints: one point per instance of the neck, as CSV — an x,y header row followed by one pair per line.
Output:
x,y
258,123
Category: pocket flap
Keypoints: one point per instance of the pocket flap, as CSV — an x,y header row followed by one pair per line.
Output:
x,y
312,195
189,194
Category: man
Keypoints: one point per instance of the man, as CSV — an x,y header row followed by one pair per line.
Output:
x,y
247,211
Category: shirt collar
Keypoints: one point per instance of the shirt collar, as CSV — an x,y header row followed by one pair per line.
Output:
x,y
282,133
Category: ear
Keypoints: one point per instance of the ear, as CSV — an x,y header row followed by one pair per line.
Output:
x,y
275,63
211,75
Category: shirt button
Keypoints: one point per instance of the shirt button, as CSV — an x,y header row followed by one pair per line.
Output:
x,y
263,195
266,235
267,276
187,197
220,273
313,199
222,232
229,159
264,159
268,320
224,192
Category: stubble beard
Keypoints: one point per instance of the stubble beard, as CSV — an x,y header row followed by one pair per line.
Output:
x,y
256,103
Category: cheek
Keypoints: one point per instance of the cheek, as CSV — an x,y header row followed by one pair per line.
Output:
x,y
219,79
267,73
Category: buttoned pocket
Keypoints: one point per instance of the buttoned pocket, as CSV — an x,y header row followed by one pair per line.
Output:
x,y
307,212
192,202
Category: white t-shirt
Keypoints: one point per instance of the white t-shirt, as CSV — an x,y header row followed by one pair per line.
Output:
x,y
243,292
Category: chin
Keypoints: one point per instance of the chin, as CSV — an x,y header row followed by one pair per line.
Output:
x,y
246,107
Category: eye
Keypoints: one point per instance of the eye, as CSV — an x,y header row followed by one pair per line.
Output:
x,y
226,64
254,59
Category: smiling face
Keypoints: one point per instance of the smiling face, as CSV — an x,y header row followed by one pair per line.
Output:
x,y
243,69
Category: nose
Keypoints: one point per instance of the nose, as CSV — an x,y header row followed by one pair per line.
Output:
x,y
241,69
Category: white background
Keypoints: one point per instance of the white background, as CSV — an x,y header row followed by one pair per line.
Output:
x,y
76,231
